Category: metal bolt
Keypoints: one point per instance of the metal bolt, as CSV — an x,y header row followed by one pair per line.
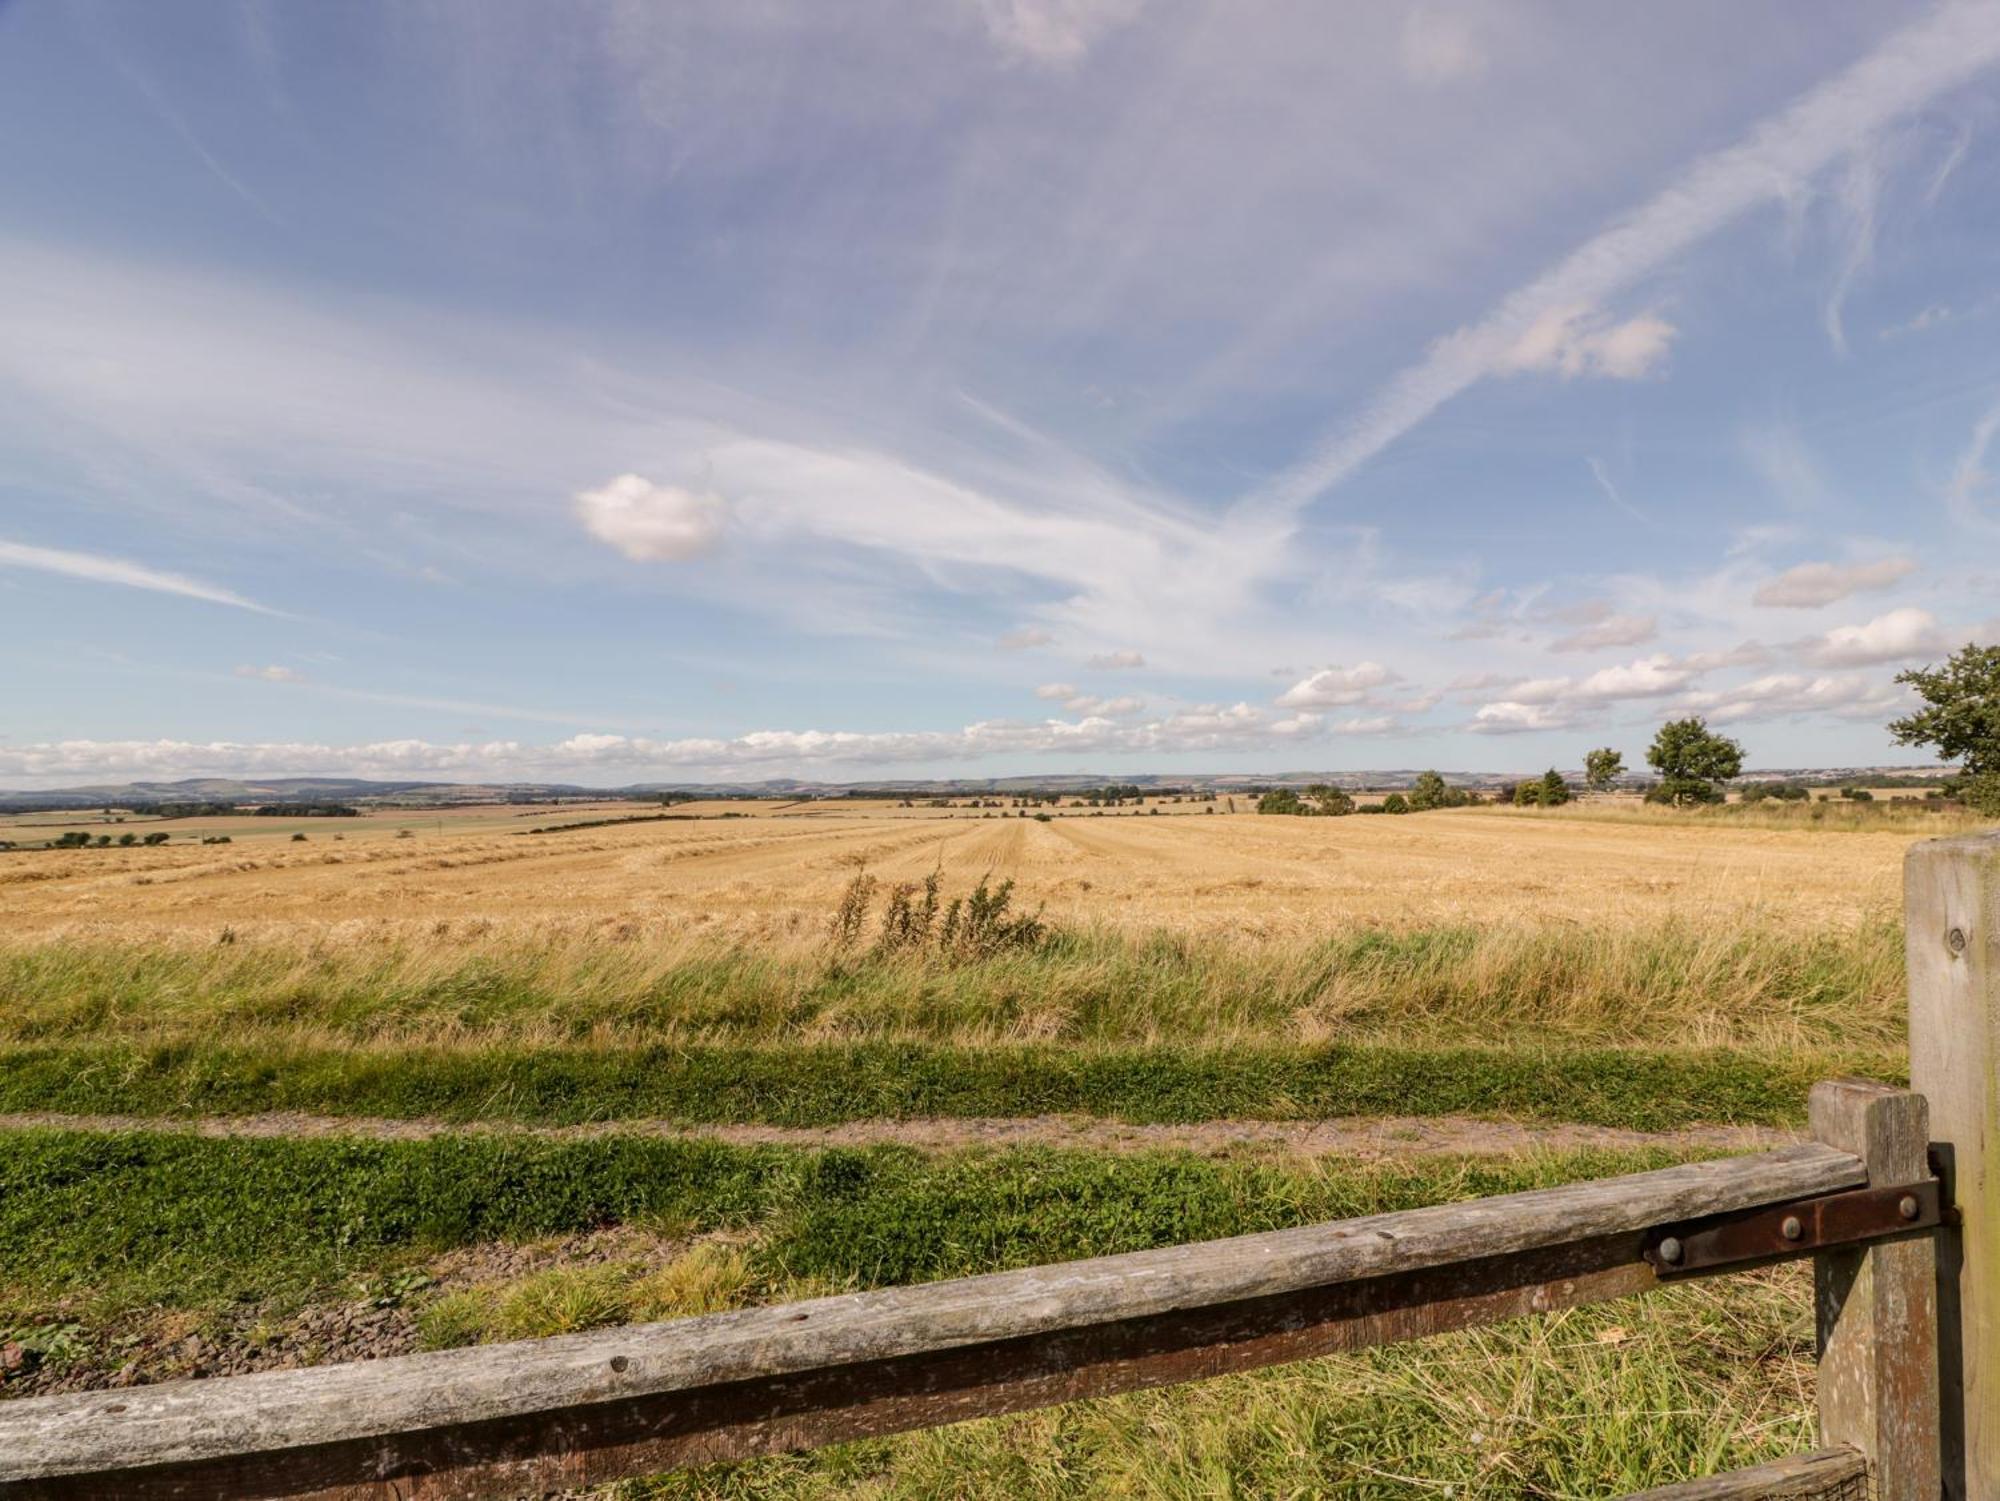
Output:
x,y
1670,1251
1955,940
1790,1228
1908,1207
621,1363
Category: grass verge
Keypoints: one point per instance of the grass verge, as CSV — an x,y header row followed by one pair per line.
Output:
x,y
1592,1402
119,1219
819,1085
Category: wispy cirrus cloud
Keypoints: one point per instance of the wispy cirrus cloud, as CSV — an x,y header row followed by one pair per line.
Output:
x,y
98,569
1782,155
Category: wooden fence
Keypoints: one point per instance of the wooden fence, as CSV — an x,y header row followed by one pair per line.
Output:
x,y
1893,1199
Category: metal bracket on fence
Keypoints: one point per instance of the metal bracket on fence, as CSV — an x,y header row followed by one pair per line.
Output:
x,y
1785,1231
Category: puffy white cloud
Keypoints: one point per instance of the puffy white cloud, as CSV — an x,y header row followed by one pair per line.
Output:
x,y
1117,661
1650,677
1336,687
1439,47
1054,33
1056,692
1551,703
1811,585
272,674
102,570
1372,724
1509,717
1894,637
1781,695
651,523
1573,341
1613,630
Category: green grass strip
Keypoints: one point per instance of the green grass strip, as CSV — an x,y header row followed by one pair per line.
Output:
x,y
827,1084
125,1219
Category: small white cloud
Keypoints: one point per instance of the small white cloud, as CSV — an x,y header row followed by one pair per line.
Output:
x,y
1895,637
1056,692
652,523
1336,687
1573,341
271,674
1440,48
1117,661
1650,677
1811,585
1025,637
1105,708
1374,724
1611,631
1054,33
1513,718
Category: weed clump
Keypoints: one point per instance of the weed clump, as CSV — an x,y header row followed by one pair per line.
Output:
x,y
978,925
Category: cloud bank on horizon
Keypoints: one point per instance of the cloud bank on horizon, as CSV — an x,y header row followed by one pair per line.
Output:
x,y
986,387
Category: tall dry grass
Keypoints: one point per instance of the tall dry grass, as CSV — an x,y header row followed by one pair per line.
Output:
x,y
1674,983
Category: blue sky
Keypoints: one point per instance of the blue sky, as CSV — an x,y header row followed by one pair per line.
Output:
x,y
615,392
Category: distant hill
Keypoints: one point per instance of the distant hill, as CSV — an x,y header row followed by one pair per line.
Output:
x,y
359,790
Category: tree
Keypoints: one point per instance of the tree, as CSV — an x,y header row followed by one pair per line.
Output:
x,y
1280,800
1691,760
1961,713
1552,791
1395,802
1526,794
1961,717
1601,768
1330,802
1429,792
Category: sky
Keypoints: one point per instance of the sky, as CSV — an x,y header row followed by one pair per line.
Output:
x,y
619,392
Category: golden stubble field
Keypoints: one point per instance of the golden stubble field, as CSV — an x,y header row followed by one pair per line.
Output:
x,y
776,871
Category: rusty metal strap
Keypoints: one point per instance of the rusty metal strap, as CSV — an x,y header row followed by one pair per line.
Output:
x,y
1783,1231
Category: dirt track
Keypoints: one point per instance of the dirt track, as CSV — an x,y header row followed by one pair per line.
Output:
x,y
1365,1138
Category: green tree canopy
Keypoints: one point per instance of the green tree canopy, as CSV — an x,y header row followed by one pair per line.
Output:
x,y
1429,791
1552,791
1330,802
1692,761
1961,713
1601,768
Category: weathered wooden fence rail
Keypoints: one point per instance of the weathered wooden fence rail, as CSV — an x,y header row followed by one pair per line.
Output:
x,y
1899,1407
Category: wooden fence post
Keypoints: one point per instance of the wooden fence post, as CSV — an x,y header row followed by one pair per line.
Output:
x,y
1952,923
1877,1305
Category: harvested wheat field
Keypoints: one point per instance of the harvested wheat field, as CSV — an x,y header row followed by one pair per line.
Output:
x,y
772,874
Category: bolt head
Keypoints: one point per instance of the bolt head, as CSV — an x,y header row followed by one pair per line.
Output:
x,y
1790,1227
1908,1207
1670,1251
1955,940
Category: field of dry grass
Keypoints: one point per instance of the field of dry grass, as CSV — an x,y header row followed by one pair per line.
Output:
x,y
628,1071
774,873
